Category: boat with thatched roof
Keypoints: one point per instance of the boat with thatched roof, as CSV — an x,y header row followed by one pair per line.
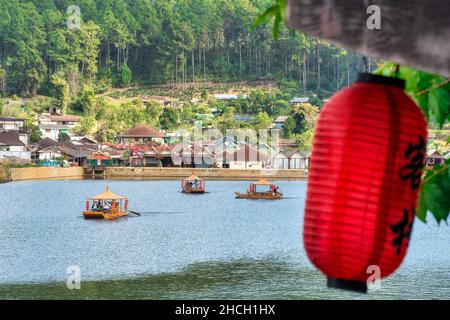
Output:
x,y
106,205
193,184
262,189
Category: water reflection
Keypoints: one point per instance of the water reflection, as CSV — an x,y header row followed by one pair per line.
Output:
x,y
213,247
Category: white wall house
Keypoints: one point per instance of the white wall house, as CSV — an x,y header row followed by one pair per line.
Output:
x,y
53,131
280,161
12,149
52,126
49,153
15,125
297,160
247,158
11,124
290,160
246,165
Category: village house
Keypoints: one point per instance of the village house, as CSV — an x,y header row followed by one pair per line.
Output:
x,y
241,118
12,148
161,100
434,158
141,135
298,159
99,159
246,157
119,154
278,123
192,155
290,159
228,96
12,124
280,161
8,124
75,151
52,125
296,100
158,156
224,144
65,151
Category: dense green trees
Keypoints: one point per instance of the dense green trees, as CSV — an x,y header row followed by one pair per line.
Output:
x,y
175,41
125,76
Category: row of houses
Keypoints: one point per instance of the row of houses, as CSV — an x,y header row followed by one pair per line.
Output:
x,y
145,146
141,146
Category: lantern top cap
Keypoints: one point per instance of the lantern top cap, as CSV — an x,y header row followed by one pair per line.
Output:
x,y
375,78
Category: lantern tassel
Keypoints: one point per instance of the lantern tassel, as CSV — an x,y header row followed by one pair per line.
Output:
x,y
351,285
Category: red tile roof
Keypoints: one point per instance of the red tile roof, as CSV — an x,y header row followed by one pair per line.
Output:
x,y
99,155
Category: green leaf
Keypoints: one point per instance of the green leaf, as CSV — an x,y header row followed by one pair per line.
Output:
x,y
276,26
425,80
433,197
411,78
387,70
266,15
277,12
421,211
422,102
438,104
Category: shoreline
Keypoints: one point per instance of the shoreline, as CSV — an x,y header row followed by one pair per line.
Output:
x,y
151,173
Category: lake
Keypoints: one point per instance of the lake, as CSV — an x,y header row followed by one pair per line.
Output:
x,y
209,246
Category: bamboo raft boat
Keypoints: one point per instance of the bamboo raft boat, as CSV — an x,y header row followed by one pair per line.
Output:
x,y
106,205
269,194
193,184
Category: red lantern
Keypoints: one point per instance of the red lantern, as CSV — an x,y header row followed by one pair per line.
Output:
x,y
363,183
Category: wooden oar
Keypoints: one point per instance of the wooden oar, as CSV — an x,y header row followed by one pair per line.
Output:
x,y
134,212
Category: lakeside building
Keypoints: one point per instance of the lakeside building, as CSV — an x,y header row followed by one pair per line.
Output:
x,y
100,159
159,156
290,159
246,157
141,135
224,152
13,149
62,152
75,152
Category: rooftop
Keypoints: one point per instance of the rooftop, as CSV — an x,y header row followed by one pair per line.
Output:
x,y
10,138
142,131
66,118
53,126
281,119
11,119
46,142
299,100
228,96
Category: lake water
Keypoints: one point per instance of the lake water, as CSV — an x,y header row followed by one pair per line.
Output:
x,y
184,246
